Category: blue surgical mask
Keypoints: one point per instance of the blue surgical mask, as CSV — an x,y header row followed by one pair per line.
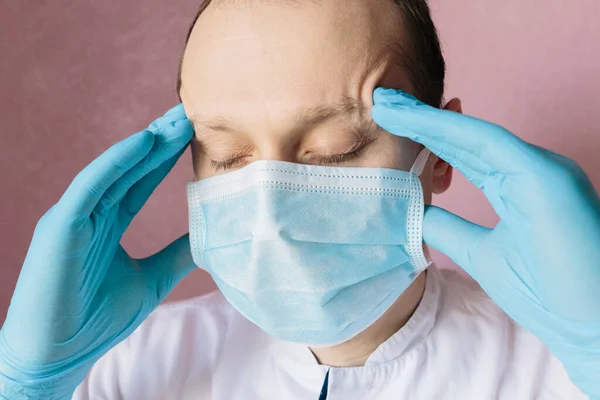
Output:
x,y
310,254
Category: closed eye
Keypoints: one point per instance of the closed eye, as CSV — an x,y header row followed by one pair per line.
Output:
x,y
353,153
228,164
357,149
336,158
231,163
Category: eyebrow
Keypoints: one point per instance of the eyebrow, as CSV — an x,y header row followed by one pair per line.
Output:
x,y
348,106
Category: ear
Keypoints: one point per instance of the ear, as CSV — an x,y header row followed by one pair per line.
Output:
x,y
442,171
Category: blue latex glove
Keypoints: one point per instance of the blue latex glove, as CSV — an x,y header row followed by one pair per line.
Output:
x,y
541,263
79,293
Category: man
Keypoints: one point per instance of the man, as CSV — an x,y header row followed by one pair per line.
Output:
x,y
308,213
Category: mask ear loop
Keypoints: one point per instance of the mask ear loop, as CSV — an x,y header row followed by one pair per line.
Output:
x,y
420,257
420,162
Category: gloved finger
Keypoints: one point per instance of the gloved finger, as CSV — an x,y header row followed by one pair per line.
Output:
x,y
114,186
139,193
170,139
475,177
174,114
90,185
169,266
453,236
473,168
400,113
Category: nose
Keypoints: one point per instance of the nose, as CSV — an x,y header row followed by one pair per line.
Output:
x,y
279,150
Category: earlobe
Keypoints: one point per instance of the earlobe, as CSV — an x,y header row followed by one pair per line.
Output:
x,y
441,177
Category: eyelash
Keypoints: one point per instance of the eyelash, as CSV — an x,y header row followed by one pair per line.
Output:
x,y
227,164
319,160
338,158
345,157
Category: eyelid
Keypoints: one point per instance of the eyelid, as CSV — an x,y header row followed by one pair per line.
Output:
x,y
337,158
364,137
354,152
227,164
358,138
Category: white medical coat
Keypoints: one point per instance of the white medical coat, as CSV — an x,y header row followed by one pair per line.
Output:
x,y
457,345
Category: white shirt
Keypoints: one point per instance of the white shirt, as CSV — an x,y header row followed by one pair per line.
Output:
x,y
457,345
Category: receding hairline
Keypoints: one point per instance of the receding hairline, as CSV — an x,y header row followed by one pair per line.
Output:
x,y
417,52
400,50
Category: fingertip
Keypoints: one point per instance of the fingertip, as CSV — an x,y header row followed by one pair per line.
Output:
x,y
147,136
177,112
380,94
175,261
396,96
388,119
185,127
143,135
180,131
452,235
432,217
440,229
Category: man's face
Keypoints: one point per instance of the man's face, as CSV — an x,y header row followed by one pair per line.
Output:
x,y
294,83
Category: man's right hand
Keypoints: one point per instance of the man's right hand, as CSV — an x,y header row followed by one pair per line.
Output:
x,y
79,293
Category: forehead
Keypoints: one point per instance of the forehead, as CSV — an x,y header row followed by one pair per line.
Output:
x,y
278,58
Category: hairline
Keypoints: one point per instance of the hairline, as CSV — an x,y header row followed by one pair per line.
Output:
x,y
405,50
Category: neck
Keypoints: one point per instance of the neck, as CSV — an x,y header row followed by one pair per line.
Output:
x,y
357,350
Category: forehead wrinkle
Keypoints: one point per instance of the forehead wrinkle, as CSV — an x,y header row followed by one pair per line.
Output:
x,y
220,124
347,107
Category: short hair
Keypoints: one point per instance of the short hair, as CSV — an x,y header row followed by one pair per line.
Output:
x,y
422,54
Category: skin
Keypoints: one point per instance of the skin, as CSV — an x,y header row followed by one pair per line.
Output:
x,y
250,85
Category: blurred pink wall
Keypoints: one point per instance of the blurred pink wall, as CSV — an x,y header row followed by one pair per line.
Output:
x,y
77,76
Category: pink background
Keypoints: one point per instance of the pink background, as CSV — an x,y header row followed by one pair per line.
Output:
x,y
77,76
